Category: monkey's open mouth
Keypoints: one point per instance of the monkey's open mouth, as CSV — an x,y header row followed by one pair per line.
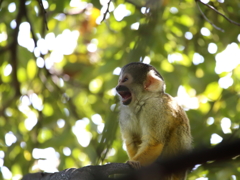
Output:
x,y
126,95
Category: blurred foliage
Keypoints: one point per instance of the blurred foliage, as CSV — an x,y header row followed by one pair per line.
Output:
x,y
58,93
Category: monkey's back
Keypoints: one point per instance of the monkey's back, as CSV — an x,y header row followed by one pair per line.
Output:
x,y
179,134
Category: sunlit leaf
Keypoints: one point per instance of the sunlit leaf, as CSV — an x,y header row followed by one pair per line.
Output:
x,y
22,75
31,68
47,109
213,91
44,135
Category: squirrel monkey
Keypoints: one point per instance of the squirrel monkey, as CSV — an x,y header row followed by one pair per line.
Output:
x,y
152,123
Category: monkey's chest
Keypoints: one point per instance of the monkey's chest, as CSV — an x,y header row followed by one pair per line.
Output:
x,y
135,123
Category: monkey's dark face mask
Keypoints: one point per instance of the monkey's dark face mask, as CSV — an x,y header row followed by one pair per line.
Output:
x,y
125,94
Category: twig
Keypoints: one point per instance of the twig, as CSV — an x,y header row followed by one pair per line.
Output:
x,y
108,136
14,48
107,11
31,27
44,13
209,6
218,28
1,3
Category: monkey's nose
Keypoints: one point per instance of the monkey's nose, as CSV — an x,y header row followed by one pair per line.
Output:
x,y
121,88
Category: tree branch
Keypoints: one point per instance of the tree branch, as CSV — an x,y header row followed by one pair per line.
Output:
x,y
108,135
107,11
1,4
31,27
158,170
220,153
85,173
215,10
13,48
14,45
216,27
44,13
209,6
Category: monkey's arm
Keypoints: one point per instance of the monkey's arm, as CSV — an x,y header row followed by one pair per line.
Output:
x,y
148,152
132,143
131,149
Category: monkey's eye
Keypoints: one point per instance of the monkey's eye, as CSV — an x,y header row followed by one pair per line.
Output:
x,y
125,79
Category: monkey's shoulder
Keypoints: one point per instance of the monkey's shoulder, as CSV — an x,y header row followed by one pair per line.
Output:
x,y
163,101
164,107
178,113
171,102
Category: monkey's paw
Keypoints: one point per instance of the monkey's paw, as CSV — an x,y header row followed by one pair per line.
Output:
x,y
134,164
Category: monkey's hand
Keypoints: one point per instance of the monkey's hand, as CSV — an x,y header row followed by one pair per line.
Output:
x,y
134,164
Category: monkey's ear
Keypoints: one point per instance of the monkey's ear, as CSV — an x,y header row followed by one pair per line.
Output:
x,y
153,83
